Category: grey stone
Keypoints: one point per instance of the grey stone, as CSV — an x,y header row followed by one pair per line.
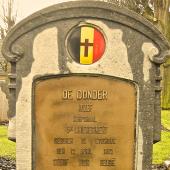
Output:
x,y
4,102
135,49
167,164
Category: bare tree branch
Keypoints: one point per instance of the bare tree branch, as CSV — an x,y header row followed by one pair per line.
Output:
x,y
8,16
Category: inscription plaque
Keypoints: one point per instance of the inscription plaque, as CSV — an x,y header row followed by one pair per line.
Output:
x,y
84,122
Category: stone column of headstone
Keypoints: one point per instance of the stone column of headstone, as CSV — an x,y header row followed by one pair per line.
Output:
x,y
4,102
8,115
85,87
166,85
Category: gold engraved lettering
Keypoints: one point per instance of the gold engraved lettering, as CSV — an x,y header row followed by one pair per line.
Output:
x,y
85,107
85,151
105,141
60,151
63,140
110,162
92,95
108,151
84,162
84,119
67,95
86,129
84,122
73,151
60,162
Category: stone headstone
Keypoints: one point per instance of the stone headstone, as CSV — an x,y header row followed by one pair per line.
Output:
x,y
5,114
85,87
94,118
3,102
4,67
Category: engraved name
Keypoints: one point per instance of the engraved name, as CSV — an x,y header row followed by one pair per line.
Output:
x,y
92,94
85,95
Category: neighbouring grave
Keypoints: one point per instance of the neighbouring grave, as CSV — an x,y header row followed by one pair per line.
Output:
x,y
85,87
3,101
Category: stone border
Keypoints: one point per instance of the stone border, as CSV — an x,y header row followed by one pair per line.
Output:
x,y
107,77
71,10
93,10
67,10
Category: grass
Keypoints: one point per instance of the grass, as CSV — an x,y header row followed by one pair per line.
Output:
x,y
7,148
166,119
161,150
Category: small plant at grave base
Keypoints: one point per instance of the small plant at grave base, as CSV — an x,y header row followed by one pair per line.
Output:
x,y
4,66
161,151
7,148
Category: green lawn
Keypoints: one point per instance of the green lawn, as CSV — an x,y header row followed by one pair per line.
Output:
x,y
7,148
166,119
161,150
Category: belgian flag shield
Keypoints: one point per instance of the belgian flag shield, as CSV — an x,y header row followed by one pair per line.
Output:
x,y
86,45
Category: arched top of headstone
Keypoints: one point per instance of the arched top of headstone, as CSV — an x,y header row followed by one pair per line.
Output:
x,y
89,9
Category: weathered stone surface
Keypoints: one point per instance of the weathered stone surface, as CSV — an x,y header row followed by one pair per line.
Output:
x,y
3,102
12,129
5,114
167,164
37,47
1,60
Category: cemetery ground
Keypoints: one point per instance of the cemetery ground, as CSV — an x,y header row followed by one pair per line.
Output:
x,y
161,151
7,151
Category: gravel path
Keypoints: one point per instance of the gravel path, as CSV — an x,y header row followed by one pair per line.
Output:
x,y
158,167
7,164
4,123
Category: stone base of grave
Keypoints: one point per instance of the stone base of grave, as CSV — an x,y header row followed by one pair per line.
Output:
x,y
167,164
4,102
11,129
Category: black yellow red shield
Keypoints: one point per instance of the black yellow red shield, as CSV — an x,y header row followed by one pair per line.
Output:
x,y
86,44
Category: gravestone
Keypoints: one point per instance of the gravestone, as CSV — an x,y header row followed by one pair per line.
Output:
x,y
1,63
85,87
4,101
